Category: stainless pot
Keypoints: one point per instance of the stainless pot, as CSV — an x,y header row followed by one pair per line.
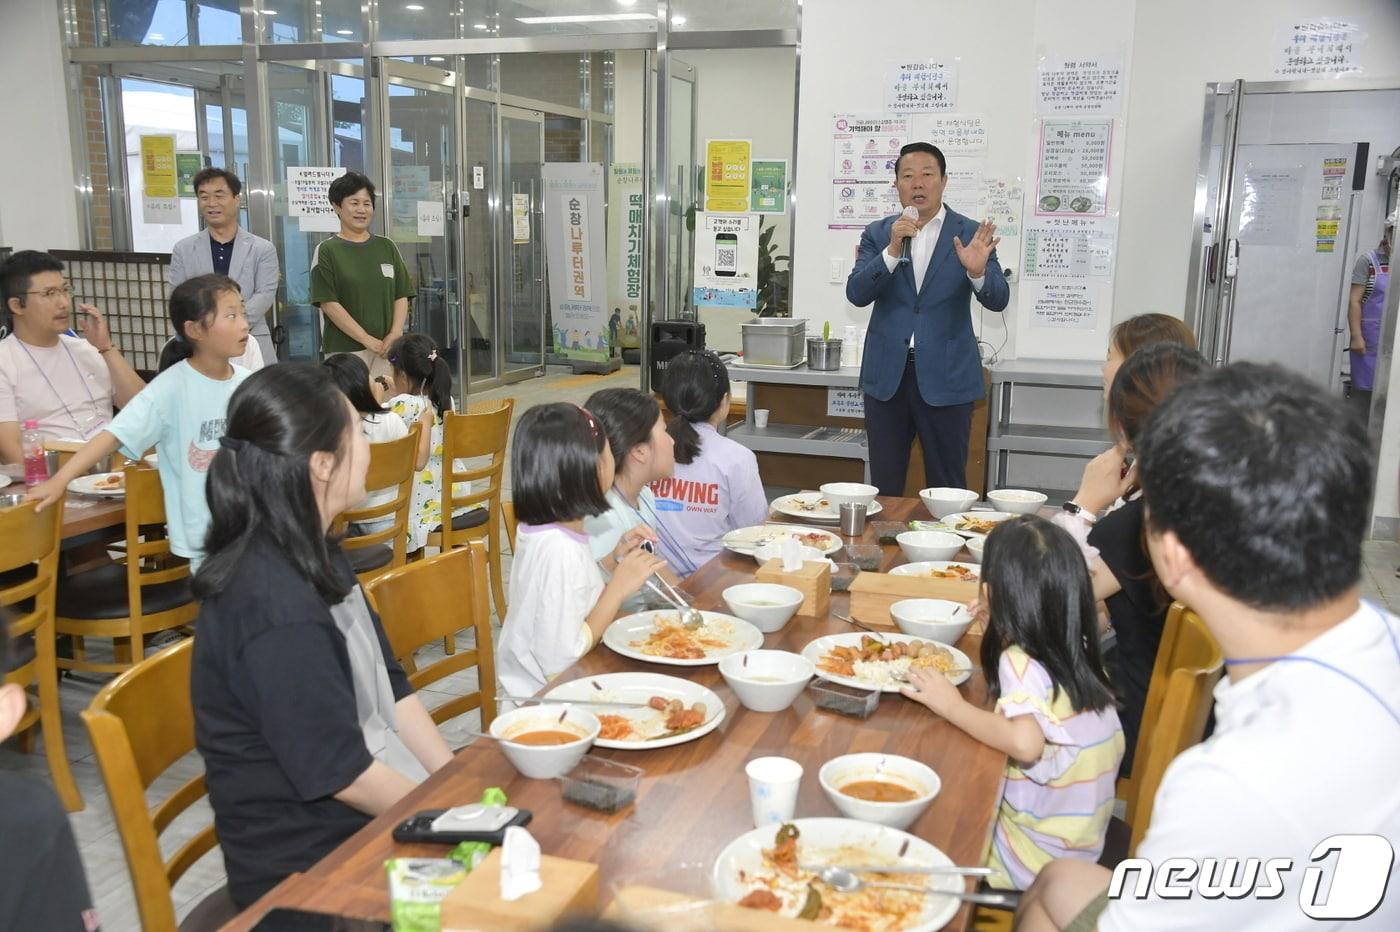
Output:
x,y
823,355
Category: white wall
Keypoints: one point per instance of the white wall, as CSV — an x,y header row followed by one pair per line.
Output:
x,y
38,202
1175,49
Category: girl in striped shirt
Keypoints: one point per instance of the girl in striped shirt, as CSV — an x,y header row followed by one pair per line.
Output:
x,y
1054,715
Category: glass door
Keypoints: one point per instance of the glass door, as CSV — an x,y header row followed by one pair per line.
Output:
x,y
521,239
478,225
421,209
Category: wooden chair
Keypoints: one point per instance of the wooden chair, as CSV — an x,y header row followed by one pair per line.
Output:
x,y
391,465
149,591
508,516
421,603
1189,664
483,431
141,723
29,545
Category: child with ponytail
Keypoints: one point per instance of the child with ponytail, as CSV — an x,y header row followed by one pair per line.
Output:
x,y
422,385
715,488
181,413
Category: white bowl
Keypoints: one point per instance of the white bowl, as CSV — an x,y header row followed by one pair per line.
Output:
x,y
942,502
766,606
545,761
940,620
850,768
1017,501
974,549
849,493
919,546
771,679
774,551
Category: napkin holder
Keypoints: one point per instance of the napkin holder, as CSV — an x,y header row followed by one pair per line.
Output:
x,y
664,911
872,594
569,888
813,580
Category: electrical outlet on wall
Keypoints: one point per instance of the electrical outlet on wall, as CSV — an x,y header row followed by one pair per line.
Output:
x,y
837,274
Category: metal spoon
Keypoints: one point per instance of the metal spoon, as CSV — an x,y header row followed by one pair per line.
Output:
x,y
691,618
838,878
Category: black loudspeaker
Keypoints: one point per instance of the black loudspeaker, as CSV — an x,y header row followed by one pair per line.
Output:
x,y
670,338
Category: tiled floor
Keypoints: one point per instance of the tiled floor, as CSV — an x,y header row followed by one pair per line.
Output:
x,y
95,828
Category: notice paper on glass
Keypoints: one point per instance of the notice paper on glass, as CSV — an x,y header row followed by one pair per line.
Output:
x,y
1072,173
1272,195
430,218
308,190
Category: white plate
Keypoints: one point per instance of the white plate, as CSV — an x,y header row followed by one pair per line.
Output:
x,y
925,567
640,687
87,485
792,507
997,516
821,646
621,633
746,540
828,840
4,480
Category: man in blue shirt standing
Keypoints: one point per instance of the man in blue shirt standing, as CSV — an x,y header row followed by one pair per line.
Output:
x,y
922,371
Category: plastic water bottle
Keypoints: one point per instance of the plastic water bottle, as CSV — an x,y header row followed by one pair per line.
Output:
x,y
36,467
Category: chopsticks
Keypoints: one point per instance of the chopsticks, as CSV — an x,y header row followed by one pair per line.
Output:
x,y
542,699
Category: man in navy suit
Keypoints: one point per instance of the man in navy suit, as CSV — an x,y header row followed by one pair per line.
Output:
x,y
922,371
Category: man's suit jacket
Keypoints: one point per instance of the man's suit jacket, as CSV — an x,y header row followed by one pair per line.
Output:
x,y
253,266
938,315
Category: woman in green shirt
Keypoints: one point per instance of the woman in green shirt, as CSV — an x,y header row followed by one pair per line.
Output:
x,y
359,280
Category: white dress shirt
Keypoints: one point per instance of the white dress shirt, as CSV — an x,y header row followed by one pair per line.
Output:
x,y
921,246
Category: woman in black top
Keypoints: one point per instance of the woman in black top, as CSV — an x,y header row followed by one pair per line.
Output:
x,y
306,722
1123,575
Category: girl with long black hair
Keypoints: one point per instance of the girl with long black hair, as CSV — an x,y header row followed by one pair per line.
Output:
x,y
307,724
1054,713
715,488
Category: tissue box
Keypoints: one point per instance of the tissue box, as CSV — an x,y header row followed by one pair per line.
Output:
x,y
569,887
664,911
813,581
872,594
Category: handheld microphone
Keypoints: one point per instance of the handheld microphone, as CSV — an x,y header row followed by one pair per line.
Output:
x,y
910,213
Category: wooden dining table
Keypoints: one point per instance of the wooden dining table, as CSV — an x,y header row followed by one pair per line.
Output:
x,y
694,797
86,518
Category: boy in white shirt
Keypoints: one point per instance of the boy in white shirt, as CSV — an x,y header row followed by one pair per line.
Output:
x,y
1258,491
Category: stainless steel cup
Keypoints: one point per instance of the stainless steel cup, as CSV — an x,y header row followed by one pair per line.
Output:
x,y
852,519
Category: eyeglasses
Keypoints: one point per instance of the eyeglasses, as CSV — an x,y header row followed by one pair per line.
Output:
x,y
51,293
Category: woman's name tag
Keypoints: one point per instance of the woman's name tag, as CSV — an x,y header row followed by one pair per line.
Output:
x,y
387,268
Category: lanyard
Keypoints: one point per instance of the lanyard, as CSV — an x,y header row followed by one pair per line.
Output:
x,y
1338,670
81,379
655,525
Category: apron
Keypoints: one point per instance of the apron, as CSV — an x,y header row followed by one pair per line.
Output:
x,y
1363,367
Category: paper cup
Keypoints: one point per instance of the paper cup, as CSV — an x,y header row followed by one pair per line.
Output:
x,y
760,418
773,783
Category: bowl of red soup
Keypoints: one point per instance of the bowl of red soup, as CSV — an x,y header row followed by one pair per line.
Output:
x,y
883,788
545,741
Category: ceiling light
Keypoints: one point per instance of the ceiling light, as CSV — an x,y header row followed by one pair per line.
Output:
x,y
677,20
436,58
345,32
414,7
584,18
626,2
479,26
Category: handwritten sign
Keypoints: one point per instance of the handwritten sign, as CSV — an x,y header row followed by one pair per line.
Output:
x,y
922,87
1326,47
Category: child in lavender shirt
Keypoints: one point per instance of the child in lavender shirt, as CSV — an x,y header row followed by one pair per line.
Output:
x,y
715,488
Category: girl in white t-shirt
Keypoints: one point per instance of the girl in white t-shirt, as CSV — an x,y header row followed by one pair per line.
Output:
x,y
561,469
377,423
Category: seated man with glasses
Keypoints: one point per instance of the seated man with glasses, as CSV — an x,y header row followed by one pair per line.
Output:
x,y
67,384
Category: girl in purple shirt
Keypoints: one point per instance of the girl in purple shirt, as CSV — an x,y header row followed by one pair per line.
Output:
x,y
715,488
